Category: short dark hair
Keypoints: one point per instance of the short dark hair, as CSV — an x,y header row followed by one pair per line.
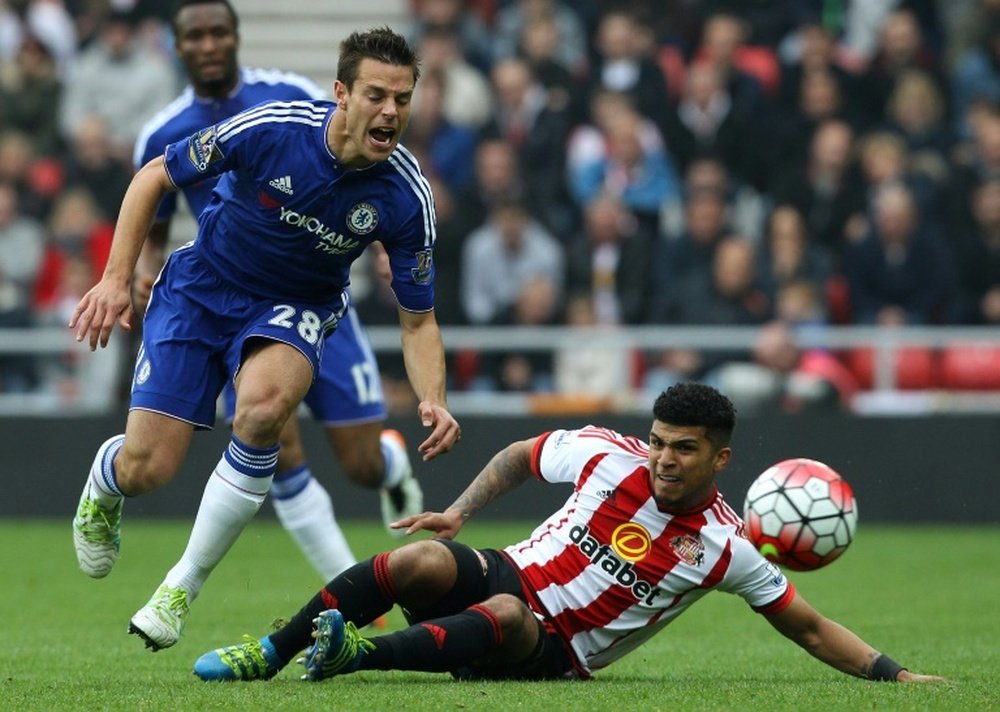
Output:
x,y
695,404
381,44
181,4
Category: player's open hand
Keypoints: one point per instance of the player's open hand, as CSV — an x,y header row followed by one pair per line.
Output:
x,y
443,524
445,431
95,316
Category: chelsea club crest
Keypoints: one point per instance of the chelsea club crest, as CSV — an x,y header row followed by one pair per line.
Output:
x,y
362,219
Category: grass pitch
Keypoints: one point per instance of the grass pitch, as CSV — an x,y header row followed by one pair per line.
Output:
x,y
926,595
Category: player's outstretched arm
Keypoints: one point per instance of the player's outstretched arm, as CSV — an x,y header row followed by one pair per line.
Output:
x,y
504,472
109,301
837,646
423,354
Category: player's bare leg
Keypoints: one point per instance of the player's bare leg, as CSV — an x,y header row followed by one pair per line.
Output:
x,y
272,381
374,456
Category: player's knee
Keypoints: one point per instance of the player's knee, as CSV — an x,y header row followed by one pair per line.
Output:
x,y
515,618
260,419
422,566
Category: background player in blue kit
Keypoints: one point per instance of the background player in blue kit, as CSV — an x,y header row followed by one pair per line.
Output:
x,y
304,187
346,396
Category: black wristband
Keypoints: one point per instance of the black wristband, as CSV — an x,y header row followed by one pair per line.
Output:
x,y
884,669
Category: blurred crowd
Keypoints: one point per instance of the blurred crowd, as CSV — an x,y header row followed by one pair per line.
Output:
x,y
786,164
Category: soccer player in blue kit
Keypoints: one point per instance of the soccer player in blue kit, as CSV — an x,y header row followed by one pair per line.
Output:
x,y
346,396
304,187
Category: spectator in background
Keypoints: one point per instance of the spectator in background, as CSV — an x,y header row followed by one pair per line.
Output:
x,y
92,164
676,257
118,80
30,92
789,254
824,189
497,177
455,18
729,294
78,233
706,123
916,112
21,244
610,262
468,97
980,163
594,367
820,99
561,23
641,176
500,257
901,272
621,65
978,255
538,303
539,45
883,161
812,47
745,208
723,36
787,377
726,295
537,131
589,143
902,47
18,168
46,20
976,75
445,148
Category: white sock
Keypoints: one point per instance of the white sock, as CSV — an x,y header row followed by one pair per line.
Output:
x,y
307,515
231,499
102,480
397,461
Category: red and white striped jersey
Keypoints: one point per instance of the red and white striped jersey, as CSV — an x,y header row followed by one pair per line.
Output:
x,y
610,568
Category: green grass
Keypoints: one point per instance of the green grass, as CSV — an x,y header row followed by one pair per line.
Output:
x,y
926,595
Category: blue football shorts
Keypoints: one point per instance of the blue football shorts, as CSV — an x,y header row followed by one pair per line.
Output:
x,y
195,330
348,389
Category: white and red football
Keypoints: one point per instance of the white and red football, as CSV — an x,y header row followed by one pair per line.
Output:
x,y
800,514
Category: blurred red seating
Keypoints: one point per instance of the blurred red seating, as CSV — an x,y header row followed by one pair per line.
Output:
x,y
915,368
971,367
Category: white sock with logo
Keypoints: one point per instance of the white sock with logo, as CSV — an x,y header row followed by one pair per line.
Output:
x,y
238,486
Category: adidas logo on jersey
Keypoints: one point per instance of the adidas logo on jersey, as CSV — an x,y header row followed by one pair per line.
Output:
x,y
284,184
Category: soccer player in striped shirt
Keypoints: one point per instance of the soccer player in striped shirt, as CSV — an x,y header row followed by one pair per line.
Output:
x,y
303,188
346,396
644,534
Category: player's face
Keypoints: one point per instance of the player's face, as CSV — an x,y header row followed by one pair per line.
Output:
x,y
377,110
683,463
206,44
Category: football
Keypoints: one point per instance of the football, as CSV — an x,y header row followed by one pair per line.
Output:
x,y
800,514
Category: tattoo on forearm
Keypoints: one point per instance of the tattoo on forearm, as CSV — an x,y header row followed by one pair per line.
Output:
x,y
503,473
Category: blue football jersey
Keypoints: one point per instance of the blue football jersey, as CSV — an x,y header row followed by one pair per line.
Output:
x,y
189,113
286,220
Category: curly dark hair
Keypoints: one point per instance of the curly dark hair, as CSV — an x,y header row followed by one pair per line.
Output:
x,y
695,404
381,44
